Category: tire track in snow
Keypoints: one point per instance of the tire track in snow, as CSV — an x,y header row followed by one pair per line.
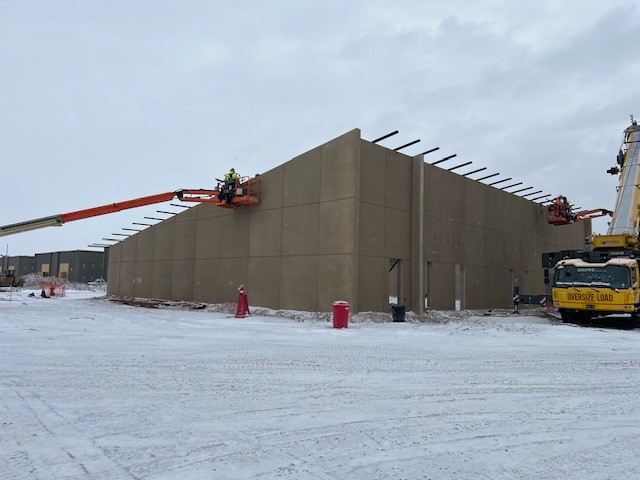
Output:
x,y
53,446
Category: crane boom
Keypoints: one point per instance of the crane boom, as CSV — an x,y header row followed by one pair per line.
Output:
x,y
626,214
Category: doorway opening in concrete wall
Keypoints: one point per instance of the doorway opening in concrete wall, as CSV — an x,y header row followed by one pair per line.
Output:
x,y
459,287
427,284
513,281
394,281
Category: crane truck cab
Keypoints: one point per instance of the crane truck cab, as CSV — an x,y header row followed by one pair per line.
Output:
x,y
582,290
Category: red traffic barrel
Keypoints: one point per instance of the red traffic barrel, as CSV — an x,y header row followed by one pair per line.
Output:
x,y
340,314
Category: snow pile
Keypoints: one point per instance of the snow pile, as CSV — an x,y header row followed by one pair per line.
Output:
x,y
94,388
430,316
33,281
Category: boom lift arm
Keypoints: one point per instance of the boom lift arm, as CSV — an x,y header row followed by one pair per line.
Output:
x,y
197,195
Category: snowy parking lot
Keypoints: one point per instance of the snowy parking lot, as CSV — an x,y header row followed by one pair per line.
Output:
x,y
95,389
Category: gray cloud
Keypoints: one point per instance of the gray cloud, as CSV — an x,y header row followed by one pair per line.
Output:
x,y
104,102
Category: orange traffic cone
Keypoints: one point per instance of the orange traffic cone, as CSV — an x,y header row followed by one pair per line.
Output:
x,y
242,310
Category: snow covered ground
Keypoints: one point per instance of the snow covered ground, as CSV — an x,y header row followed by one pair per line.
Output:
x,y
96,389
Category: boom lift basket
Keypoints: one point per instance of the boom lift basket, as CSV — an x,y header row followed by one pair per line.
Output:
x,y
246,193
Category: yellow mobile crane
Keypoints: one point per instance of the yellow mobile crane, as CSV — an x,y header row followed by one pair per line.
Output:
x,y
605,280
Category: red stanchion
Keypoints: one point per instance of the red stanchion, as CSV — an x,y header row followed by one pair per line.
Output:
x,y
242,310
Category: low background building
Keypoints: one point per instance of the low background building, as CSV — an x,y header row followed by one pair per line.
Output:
x,y
79,266
349,220
20,264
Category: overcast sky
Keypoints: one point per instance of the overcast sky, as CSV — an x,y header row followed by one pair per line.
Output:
x,y
108,101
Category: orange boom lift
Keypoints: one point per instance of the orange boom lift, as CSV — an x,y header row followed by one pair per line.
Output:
x,y
247,194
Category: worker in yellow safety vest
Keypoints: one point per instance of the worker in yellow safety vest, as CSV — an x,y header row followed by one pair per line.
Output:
x,y
232,175
229,188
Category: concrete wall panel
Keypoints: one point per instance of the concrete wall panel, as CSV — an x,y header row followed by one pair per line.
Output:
x,y
188,214
473,204
335,280
233,273
115,254
453,197
371,230
184,243
127,279
271,191
207,210
182,280
299,282
113,280
234,237
264,282
372,278
474,243
205,280
145,242
475,295
129,248
442,288
398,173
397,233
265,233
301,230
372,174
337,226
457,242
339,161
162,279
301,177
433,191
144,279
165,232
208,237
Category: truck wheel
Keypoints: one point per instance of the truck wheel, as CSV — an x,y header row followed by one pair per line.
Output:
x,y
566,315
635,320
584,316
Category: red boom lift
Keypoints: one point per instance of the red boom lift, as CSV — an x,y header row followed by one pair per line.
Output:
x,y
560,213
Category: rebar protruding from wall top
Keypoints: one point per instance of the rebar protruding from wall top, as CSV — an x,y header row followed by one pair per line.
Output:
x,y
488,176
531,193
541,196
475,171
500,181
429,151
395,132
512,185
521,190
406,145
459,166
445,159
